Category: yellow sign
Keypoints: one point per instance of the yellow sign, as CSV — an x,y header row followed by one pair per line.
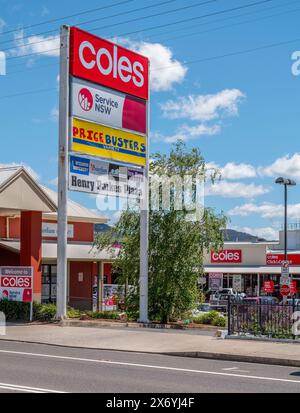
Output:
x,y
117,145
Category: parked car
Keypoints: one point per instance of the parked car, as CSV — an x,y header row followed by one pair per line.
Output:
x,y
295,302
202,309
219,299
267,299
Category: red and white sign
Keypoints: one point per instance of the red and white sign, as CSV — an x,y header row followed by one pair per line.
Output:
x,y
293,287
226,256
105,63
16,284
269,286
277,259
108,107
285,290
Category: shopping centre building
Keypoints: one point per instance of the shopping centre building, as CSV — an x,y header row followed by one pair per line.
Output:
x,y
28,237
246,266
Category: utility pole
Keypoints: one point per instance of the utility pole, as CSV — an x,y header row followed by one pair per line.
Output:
x,y
144,230
62,215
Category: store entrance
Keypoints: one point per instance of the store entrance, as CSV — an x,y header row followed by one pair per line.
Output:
x,y
49,283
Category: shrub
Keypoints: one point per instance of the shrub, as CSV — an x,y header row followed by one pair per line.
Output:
x,y
103,315
72,313
44,312
15,311
210,318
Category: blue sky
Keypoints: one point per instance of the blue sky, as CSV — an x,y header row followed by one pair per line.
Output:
x,y
242,110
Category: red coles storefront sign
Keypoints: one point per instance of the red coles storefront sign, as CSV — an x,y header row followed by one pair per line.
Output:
x,y
105,63
276,259
226,257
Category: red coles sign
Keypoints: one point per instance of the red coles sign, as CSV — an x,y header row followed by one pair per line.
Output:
x,y
226,256
105,63
269,287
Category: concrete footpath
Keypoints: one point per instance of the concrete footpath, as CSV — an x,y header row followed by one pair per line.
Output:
x,y
183,343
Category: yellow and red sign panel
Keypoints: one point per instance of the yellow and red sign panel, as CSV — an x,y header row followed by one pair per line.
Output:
x,y
99,140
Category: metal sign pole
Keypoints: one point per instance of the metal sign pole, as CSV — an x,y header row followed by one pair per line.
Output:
x,y
62,227
144,230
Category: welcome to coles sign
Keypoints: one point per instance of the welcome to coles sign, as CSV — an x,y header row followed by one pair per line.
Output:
x,y
16,284
105,63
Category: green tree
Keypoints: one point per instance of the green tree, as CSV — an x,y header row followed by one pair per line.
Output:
x,y
176,244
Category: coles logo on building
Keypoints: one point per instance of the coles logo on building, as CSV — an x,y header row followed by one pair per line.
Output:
x,y
85,99
226,256
105,63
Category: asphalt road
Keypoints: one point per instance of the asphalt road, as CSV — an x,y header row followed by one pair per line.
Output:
x,y
38,368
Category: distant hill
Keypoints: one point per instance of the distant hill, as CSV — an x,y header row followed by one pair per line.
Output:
x,y
101,227
236,236
230,235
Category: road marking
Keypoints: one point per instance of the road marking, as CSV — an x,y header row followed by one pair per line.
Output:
x,y
236,369
149,366
26,389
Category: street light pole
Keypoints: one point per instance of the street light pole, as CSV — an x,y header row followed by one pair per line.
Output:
x,y
285,182
285,223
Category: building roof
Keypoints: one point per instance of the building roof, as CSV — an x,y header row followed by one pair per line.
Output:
x,y
75,252
19,191
76,212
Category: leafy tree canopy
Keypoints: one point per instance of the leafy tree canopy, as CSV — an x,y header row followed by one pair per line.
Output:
x,y
176,244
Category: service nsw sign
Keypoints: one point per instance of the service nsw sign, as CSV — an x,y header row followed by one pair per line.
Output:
x,y
107,64
107,107
16,284
102,141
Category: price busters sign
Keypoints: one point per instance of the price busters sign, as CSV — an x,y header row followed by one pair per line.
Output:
x,y
105,142
16,284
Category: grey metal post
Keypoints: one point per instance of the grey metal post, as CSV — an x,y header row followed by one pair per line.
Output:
x,y
144,230
285,223
62,221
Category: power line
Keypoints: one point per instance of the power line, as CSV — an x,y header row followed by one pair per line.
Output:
x,y
221,20
123,13
70,16
151,28
193,18
128,21
230,25
188,34
188,63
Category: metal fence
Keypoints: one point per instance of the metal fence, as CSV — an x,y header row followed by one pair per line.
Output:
x,y
262,319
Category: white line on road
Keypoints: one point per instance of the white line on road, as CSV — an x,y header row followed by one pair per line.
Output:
x,y
236,369
26,389
149,366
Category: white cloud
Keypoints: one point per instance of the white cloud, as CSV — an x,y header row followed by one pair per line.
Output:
x,y
47,46
268,233
207,110
233,170
227,189
204,107
287,166
54,114
28,168
266,210
2,24
166,71
187,133
54,181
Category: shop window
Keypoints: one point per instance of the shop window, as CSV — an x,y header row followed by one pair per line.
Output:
x,y
49,283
